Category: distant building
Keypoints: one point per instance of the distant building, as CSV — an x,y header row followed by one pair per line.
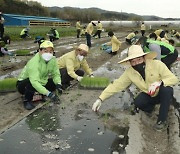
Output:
x,y
21,20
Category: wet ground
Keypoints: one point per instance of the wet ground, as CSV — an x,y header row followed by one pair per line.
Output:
x,y
72,127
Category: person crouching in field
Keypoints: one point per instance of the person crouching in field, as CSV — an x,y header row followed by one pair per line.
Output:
x,y
41,74
153,79
113,46
70,65
131,37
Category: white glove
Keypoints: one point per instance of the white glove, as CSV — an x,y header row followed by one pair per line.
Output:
x,y
79,78
92,76
96,105
153,87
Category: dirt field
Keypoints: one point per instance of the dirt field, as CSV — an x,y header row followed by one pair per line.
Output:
x,y
142,138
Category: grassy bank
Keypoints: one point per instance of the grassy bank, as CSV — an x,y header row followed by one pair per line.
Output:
x,y
14,32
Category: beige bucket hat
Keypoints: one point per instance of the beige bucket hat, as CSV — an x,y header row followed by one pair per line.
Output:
x,y
136,51
83,47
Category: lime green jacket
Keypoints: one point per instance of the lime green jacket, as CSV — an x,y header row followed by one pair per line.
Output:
x,y
72,64
155,71
57,34
38,72
23,31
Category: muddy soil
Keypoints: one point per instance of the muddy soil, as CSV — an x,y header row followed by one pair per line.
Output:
x,y
76,103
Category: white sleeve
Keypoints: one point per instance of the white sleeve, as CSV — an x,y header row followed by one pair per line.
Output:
x,y
157,49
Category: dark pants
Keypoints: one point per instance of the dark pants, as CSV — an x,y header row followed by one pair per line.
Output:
x,y
25,87
113,53
98,32
78,32
142,32
169,59
147,103
128,41
88,39
24,36
65,78
52,38
1,30
162,34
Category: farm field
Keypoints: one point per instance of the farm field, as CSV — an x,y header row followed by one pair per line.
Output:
x,y
72,127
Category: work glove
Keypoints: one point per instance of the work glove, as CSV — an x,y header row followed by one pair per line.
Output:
x,y
53,97
91,75
96,105
153,87
59,88
79,78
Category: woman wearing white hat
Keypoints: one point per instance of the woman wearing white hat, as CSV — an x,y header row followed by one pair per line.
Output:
x,y
152,77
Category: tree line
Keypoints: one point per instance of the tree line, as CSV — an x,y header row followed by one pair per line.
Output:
x,y
25,7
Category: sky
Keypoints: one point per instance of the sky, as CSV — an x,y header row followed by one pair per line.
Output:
x,y
161,8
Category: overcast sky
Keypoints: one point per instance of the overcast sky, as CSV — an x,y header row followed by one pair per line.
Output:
x,y
161,8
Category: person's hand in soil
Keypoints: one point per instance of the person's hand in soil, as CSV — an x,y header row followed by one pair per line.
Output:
x,y
59,88
96,105
53,97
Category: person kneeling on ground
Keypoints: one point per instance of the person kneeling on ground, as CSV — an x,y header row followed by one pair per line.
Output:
x,y
70,64
3,46
25,33
53,34
152,77
35,76
131,38
165,52
114,45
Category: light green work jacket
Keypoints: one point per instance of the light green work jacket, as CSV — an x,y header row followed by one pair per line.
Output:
x,y
38,72
155,71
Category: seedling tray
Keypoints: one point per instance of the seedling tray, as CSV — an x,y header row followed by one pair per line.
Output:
x,y
94,83
23,52
8,85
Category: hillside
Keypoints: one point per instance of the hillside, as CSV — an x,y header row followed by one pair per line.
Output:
x,y
24,7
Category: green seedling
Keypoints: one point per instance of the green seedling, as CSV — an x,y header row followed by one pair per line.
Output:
x,y
96,82
22,52
8,84
177,44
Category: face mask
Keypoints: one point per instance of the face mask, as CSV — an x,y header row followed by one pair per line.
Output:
x,y
47,56
80,57
139,67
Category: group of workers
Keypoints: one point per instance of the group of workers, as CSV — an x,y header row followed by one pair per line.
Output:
x,y
53,34
149,64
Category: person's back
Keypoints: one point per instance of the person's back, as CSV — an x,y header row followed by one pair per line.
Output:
x,y
165,52
24,33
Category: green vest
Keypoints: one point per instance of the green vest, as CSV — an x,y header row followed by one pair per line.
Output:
x,y
161,44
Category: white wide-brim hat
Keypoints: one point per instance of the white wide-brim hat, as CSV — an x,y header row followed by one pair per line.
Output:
x,y
136,51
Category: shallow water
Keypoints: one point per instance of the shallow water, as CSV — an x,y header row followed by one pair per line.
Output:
x,y
82,136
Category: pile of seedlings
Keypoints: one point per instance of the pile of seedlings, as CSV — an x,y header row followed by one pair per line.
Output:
x,y
23,52
94,83
8,85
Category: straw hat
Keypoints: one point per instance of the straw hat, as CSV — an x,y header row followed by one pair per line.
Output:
x,y
136,51
83,47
